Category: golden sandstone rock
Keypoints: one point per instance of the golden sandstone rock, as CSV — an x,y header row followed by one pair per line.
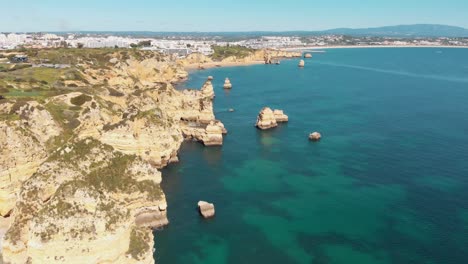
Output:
x,y
227,84
268,118
301,64
315,136
207,210
79,175
280,116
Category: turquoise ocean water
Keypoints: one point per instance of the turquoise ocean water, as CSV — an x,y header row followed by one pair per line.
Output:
x,y
388,183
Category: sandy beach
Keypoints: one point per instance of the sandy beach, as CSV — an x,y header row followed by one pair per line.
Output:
x,y
195,66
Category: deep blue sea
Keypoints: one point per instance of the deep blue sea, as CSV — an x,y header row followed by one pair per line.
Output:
x,y
388,182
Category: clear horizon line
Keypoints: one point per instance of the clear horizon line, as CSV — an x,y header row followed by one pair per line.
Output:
x,y
229,31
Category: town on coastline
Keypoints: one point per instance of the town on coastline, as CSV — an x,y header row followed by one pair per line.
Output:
x,y
99,116
98,124
184,44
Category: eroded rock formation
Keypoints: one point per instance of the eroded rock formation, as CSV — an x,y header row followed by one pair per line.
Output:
x,y
207,210
280,116
79,172
315,136
227,84
268,118
301,64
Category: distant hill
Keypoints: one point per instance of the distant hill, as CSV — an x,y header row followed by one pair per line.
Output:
x,y
419,30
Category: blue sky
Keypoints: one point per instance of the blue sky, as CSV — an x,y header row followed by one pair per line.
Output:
x,y
224,15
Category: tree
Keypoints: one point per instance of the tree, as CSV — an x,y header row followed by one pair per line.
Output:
x,y
80,45
133,46
189,45
144,43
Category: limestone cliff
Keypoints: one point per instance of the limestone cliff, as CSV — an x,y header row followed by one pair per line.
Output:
x,y
266,55
79,165
24,132
197,60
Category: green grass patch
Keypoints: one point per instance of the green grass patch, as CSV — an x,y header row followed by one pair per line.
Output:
x,y
222,52
139,243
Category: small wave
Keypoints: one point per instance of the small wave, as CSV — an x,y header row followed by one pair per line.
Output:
x,y
401,73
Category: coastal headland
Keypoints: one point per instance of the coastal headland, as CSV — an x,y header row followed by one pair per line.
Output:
x,y
228,57
81,147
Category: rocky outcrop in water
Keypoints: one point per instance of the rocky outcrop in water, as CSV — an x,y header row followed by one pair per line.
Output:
x,y
307,55
207,210
301,64
315,136
227,84
207,88
266,119
280,116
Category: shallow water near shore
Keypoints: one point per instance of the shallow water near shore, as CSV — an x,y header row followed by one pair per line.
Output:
x,y
388,183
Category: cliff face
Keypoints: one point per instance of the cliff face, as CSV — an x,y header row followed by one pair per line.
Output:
x,y
24,131
264,55
79,169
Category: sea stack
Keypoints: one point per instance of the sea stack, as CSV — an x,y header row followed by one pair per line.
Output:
x,y
206,209
214,134
315,136
301,64
307,55
227,84
267,58
266,119
280,116
207,88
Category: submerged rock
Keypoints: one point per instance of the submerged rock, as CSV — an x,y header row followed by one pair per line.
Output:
x,y
206,209
227,84
316,136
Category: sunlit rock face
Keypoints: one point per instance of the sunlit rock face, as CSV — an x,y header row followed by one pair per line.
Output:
x,y
79,176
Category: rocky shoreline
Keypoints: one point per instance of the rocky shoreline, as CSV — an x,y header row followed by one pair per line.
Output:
x,y
198,61
88,188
